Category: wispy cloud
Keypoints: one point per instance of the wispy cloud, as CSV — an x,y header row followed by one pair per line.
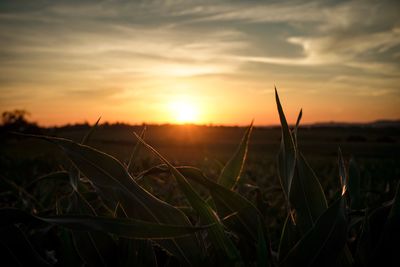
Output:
x,y
117,47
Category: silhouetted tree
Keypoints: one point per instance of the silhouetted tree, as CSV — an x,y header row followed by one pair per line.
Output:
x,y
16,120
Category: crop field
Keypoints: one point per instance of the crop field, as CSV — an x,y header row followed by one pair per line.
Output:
x,y
168,195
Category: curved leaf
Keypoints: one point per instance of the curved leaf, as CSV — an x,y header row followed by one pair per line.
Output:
x,y
244,215
231,172
113,181
287,152
322,245
217,235
306,196
289,238
124,227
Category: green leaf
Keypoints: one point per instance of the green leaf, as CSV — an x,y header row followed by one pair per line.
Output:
x,y
287,152
135,152
323,243
244,216
114,183
124,227
89,134
306,196
216,233
289,238
296,128
232,171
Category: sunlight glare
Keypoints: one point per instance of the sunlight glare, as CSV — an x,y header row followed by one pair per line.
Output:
x,y
184,111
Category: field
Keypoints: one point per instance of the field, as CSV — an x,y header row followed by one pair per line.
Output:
x,y
374,148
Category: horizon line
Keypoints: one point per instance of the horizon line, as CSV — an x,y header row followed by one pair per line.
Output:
x,y
317,123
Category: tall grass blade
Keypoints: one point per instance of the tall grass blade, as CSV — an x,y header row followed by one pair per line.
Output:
x,y
232,171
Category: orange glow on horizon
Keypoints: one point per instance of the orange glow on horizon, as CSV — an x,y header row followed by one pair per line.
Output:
x,y
184,110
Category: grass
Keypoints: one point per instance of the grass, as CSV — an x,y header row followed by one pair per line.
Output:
x,y
147,211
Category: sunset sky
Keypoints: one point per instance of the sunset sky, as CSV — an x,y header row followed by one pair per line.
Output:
x,y
200,61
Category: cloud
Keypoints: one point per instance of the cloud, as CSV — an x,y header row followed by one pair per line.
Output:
x,y
118,47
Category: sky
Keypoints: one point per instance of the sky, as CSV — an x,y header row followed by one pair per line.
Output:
x,y
207,62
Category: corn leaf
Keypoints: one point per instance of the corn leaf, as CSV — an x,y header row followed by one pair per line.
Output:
x,y
135,151
296,128
324,242
289,238
113,181
232,171
123,227
287,152
306,196
244,215
217,235
89,134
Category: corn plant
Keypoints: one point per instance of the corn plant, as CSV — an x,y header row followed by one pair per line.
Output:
x,y
98,212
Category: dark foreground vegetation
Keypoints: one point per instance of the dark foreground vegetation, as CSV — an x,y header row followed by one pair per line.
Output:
x,y
284,196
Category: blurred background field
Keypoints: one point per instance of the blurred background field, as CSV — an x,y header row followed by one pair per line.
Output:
x,y
375,147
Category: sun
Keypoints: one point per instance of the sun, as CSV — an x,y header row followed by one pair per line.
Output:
x,y
184,111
